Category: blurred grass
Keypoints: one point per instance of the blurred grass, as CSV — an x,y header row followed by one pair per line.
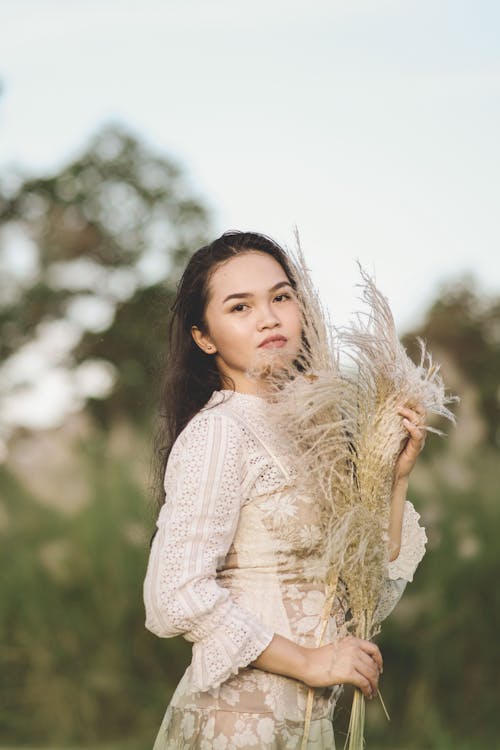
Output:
x,y
80,672
75,656
138,745
78,669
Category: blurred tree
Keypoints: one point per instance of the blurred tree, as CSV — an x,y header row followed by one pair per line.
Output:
x,y
439,646
77,664
106,238
95,249
465,324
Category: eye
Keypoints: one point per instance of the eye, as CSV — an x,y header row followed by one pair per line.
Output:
x,y
239,307
282,296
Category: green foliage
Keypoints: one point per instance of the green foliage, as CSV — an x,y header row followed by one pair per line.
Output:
x,y
115,226
441,662
135,343
75,655
465,324
79,662
77,665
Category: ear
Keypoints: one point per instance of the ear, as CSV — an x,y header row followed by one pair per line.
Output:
x,y
203,340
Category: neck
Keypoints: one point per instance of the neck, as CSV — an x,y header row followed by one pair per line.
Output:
x,y
250,388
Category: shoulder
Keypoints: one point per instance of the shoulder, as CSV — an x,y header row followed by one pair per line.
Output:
x,y
214,426
211,444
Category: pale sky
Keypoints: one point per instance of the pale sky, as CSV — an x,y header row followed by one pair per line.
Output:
x,y
372,125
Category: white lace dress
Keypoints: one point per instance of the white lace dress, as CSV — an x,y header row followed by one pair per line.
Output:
x,y
227,570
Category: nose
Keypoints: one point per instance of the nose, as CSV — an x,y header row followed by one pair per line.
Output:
x,y
267,318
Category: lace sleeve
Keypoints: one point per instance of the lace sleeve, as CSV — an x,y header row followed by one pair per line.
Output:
x,y
401,570
195,528
413,541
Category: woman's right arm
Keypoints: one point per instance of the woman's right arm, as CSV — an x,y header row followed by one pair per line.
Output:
x,y
181,593
196,526
348,660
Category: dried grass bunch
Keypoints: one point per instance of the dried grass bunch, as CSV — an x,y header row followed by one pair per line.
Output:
x,y
345,433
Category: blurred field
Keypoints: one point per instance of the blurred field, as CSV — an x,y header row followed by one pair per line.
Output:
x,y
79,670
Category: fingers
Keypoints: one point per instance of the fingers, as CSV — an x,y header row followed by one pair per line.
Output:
x,y
374,652
417,415
367,686
367,665
417,432
370,665
414,422
367,647
370,671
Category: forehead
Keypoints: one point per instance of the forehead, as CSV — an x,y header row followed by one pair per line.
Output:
x,y
248,272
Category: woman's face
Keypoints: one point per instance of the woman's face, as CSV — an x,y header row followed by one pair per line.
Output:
x,y
252,318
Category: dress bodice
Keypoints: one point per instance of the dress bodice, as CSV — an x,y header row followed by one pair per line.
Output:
x,y
237,558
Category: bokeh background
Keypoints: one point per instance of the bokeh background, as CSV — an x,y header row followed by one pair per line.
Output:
x,y
131,133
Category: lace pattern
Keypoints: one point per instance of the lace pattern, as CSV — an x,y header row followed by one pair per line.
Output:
x,y
227,570
195,529
413,541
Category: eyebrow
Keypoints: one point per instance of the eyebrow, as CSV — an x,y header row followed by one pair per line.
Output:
x,y
245,295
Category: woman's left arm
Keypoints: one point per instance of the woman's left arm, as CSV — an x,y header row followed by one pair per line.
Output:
x,y
407,538
414,422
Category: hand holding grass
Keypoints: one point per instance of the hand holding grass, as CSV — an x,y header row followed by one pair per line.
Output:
x,y
350,660
414,422
356,429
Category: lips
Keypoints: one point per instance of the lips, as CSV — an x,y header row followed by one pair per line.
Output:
x,y
276,340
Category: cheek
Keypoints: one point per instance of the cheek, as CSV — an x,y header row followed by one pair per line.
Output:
x,y
294,321
233,336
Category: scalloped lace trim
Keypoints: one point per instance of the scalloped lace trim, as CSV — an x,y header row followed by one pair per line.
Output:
x,y
217,658
413,541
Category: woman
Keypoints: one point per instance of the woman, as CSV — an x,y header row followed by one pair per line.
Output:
x,y
230,565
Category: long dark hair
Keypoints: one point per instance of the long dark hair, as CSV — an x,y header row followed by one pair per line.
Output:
x,y
189,375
